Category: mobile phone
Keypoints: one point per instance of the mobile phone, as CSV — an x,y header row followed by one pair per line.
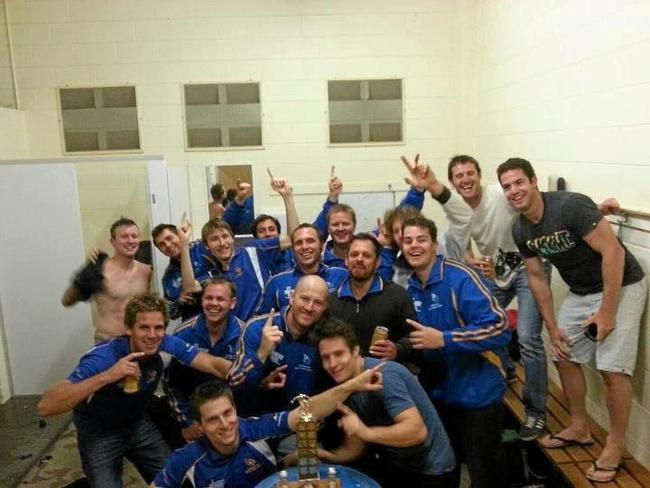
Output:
x,y
591,331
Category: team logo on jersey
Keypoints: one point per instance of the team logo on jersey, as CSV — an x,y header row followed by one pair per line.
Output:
x,y
276,357
330,286
237,271
287,292
435,302
152,375
176,283
251,465
306,359
216,484
418,305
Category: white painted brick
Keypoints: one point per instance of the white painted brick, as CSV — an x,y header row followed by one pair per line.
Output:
x,y
130,10
175,9
197,28
87,10
289,26
159,94
34,77
297,89
30,34
74,76
152,30
120,74
71,33
100,54
22,56
161,116
152,73
307,111
323,25
229,28
199,72
38,11
138,52
118,31
311,47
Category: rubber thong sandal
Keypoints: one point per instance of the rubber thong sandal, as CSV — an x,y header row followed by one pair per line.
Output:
x,y
610,471
563,442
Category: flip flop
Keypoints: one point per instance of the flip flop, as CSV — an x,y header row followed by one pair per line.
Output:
x,y
611,471
566,442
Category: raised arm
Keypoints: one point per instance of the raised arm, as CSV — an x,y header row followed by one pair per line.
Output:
x,y
281,186
66,395
187,272
335,187
327,402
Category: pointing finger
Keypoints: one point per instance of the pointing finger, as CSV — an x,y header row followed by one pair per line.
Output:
x,y
407,163
415,324
268,170
332,171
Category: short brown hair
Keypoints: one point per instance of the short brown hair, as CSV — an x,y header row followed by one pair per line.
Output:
x,y
219,280
212,225
331,328
461,159
147,302
121,222
424,223
397,214
342,208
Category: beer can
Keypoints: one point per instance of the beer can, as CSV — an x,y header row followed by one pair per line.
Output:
x,y
380,334
131,384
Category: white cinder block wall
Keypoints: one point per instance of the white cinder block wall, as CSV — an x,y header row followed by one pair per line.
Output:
x,y
291,47
566,84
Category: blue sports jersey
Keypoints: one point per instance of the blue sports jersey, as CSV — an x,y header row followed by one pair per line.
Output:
x,y
110,405
456,301
180,380
279,288
281,259
202,466
249,269
172,281
300,355
240,217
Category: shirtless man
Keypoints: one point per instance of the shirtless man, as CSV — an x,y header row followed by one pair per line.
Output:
x,y
121,278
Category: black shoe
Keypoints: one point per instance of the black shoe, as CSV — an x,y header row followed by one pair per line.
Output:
x,y
533,427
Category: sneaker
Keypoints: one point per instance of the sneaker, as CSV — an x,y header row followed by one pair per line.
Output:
x,y
533,427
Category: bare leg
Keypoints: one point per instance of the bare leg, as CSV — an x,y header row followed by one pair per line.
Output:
x,y
575,389
618,395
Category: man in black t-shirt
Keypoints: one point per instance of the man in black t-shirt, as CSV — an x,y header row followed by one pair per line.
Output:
x,y
606,288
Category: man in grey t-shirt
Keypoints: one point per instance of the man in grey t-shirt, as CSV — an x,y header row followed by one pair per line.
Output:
x,y
400,426
607,288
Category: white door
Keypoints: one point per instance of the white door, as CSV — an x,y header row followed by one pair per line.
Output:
x,y
159,211
41,244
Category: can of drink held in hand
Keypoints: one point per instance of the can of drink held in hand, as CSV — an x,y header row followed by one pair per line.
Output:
x,y
131,384
380,334
488,267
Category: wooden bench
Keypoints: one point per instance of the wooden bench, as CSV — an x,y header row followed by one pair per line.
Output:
x,y
572,462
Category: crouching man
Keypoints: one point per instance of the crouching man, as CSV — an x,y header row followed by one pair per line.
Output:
x,y
110,388
233,452
399,424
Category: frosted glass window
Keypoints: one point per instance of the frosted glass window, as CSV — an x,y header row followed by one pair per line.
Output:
x,y
365,111
99,119
222,115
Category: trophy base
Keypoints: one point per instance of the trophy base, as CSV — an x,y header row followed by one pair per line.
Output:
x,y
328,483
